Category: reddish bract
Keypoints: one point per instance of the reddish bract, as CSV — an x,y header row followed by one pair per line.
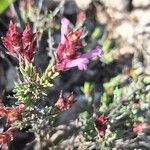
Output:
x,y
20,45
69,49
65,103
101,124
6,137
12,113
73,43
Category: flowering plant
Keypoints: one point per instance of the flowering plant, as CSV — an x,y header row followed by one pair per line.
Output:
x,y
75,86
31,88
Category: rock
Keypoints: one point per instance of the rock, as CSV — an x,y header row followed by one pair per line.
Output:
x,y
140,3
117,4
101,15
125,31
142,29
147,70
142,16
83,4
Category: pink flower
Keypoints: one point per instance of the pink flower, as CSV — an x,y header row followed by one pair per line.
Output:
x,y
64,29
20,45
73,43
65,103
70,41
101,124
68,54
81,60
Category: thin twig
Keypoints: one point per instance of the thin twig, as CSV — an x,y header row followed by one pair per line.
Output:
x,y
58,8
40,4
50,47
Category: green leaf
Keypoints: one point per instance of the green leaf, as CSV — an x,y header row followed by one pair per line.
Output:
x,y
87,88
84,115
109,86
108,45
96,33
4,4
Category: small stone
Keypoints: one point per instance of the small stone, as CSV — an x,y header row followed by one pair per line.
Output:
x,y
126,49
117,4
147,70
101,15
126,31
146,80
83,4
140,3
142,16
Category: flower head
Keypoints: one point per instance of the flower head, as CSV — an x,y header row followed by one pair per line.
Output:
x,y
65,103
13,41
81,60
68,51
101,124
70,41
73,43
20,45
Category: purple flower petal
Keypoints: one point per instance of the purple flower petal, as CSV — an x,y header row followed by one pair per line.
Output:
x,y
93,53
84,59
81,63
64,29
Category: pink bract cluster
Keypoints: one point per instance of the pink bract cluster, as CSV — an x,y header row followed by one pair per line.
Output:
x,y
6,137
65,103
101,124
12,114
68,54
20,45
